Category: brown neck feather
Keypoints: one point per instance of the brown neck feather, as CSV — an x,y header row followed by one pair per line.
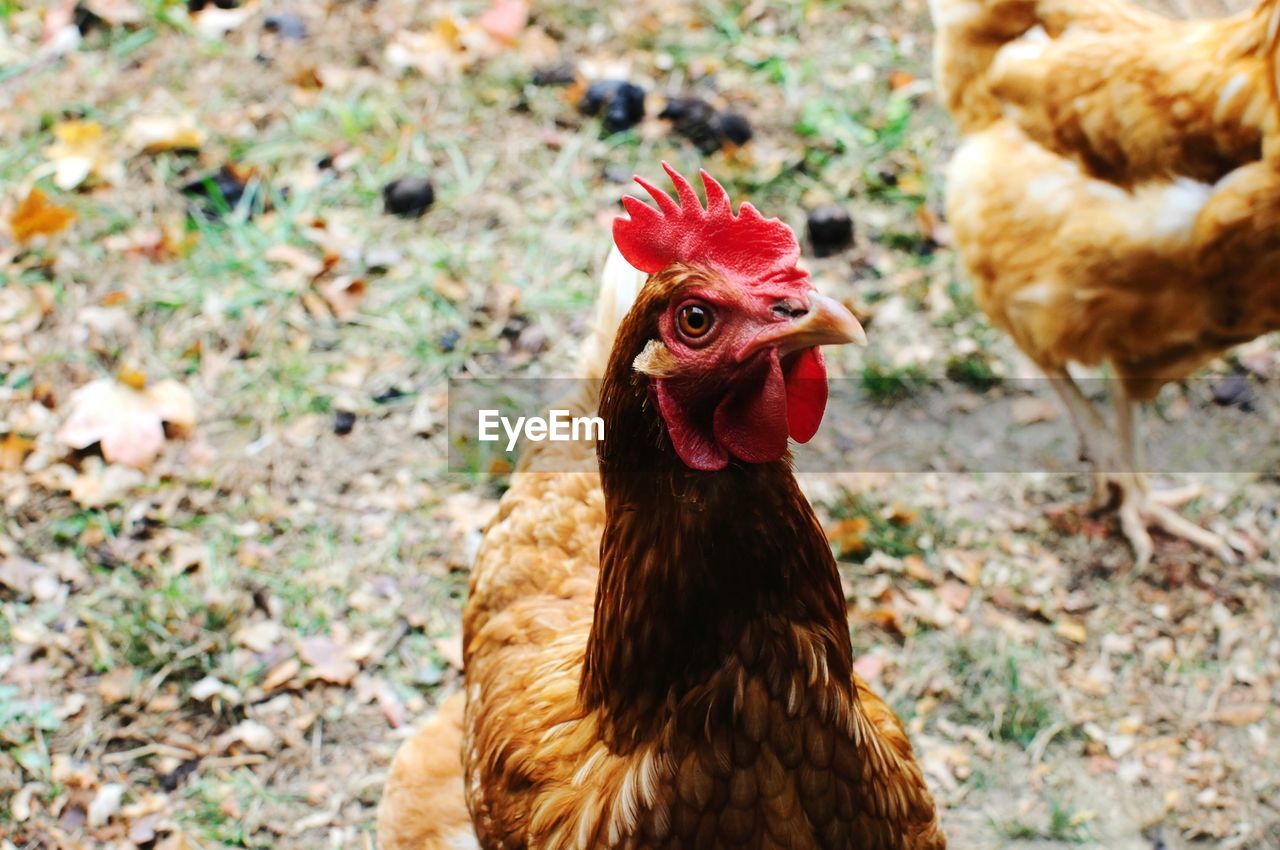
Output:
x,y
691,561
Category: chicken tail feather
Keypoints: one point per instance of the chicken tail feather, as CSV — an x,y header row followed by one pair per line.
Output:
x,y
619,284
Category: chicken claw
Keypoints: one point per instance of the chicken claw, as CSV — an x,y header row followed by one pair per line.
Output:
x,y
1140,510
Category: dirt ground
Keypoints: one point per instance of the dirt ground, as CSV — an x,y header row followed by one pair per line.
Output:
x,y
223,646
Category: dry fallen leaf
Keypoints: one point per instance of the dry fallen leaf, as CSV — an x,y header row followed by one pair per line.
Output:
x,y
127,422
251,734
19,574
848,536
116,686
80,153
328,659
1028,410
20,805
343,295
214,22
101,484
157,133
453,44
14,449
1071,629
105,804
38,216
1241,715
900,79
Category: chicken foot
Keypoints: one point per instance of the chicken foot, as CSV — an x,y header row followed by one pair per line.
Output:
x,y
1119,479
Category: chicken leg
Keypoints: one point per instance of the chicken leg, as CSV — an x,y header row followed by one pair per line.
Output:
x,y
1119,476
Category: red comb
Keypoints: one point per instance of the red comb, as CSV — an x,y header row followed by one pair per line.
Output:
x,y
746,247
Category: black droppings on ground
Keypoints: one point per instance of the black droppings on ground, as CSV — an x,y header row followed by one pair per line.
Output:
x,y
735,127
693,118
389,395
830,230
344,422
408,197
1233,391
620,102
707,127
194,6
559,74
215,195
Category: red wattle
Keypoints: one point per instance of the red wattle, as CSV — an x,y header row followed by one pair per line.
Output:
x,y
806,387
694,443
751,421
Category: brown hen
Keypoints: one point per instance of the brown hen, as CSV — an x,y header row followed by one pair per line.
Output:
x,y
657,655
1116,199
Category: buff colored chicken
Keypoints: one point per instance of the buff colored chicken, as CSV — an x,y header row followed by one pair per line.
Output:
x,y
1116,199
657,654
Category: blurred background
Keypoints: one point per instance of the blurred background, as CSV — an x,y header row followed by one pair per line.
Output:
x,y
244,246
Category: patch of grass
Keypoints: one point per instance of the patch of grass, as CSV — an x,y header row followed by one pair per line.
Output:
x,y
885,384
215,814
865,525
974,370
20,719
963,304
1002,690
23,726
172,629
1064,824
84,524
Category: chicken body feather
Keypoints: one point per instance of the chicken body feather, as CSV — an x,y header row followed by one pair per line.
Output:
x,y
1114,196
659,658
1116,200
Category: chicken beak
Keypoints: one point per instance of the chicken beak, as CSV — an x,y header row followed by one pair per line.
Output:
x,y
827,322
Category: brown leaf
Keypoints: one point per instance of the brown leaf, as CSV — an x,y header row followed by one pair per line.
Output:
x,y
80,153
251,734
916,568
1071,629
159,133
128,423
954,594
19,574
328,659
343,294
280,675
38,216
1028,410
848,536
105,804
1241,715
20,808
884,618
116,686
900,79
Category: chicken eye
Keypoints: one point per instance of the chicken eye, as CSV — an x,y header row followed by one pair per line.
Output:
x,y
694,320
